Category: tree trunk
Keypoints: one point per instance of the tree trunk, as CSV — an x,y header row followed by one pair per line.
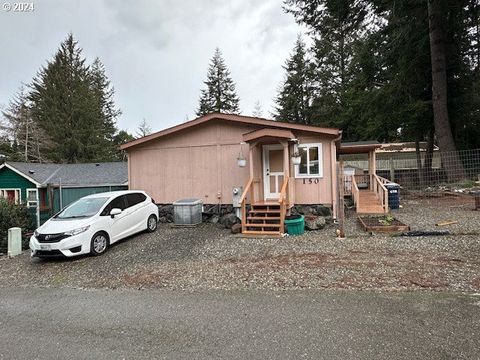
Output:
x,y
453,166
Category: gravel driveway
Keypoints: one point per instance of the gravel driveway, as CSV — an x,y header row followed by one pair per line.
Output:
x,y
207,257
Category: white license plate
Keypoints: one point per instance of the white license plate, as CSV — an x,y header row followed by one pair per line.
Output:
x,y
45,247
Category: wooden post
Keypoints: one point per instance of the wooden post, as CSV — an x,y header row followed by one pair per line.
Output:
x,y
371,167
341,205
250,162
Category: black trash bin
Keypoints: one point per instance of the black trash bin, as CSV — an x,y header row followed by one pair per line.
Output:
x,y
393,195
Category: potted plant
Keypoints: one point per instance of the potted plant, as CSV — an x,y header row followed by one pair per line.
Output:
x,y
296,158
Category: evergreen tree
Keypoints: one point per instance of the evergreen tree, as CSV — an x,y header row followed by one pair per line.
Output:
x,y
120,138
220,95
336,27
73,104
104,145
144,129
295,97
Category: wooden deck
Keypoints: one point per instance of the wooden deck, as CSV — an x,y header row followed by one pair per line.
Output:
x,y
369,203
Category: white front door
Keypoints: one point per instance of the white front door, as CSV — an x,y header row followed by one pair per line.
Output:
x,y
273,174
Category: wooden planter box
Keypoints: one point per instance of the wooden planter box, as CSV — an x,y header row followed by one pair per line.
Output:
x,y
371,224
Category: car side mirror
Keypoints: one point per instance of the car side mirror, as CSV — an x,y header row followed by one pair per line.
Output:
x,y
115,211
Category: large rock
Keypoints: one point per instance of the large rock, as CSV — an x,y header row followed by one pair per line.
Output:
x,y
229,220
313,222
214,219
236,228
321,210
165,210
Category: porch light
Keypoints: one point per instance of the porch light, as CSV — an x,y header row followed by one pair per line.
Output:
x,y
241,161
296,158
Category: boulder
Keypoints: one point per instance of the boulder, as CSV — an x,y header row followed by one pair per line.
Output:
x,y
229,220
313,222
236,228
165,210
321,210
214,219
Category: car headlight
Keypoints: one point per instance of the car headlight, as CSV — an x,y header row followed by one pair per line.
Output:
x,y
77,231
36,233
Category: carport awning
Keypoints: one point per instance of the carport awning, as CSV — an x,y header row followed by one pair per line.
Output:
x,y
268,133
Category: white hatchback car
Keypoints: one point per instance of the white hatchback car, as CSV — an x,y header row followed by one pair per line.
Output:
x,y
92,223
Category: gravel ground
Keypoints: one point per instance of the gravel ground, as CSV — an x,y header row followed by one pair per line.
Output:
x,y
207,257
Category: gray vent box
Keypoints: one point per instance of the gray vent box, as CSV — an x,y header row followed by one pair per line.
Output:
x,y
188,211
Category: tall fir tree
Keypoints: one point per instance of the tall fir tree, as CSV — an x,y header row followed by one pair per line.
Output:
x,y
294,100
104,147
73,104
220,94
336,28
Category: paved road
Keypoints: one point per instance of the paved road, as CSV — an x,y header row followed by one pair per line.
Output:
x,y
116,324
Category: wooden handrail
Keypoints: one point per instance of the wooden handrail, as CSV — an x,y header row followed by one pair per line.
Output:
x,y
244,203
355,192
381,192
283,191
283,204
383,180
245,191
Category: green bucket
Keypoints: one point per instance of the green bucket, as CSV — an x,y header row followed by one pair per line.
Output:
x,y
295,224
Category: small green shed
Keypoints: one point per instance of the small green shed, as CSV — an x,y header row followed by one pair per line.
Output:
x,y
47,188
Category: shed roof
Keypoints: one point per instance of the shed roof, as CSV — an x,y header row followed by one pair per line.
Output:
x,y
358,147
88,174
233,118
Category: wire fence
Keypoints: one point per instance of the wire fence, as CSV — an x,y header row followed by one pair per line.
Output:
x,y
454,176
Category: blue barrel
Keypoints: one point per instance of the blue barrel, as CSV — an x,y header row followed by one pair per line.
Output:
x,y
393,195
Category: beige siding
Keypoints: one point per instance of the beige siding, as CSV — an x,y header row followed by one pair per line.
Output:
x,y
201,162
320,193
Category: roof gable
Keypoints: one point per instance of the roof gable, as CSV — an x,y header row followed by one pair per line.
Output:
x,y
232,118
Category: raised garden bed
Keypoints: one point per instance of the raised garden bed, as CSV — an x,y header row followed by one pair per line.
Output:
x,y
386,224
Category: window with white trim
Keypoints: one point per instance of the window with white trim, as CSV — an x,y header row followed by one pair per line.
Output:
x,y
311,164
13,195
32,197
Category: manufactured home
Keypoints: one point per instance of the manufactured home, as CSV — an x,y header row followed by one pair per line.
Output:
x,y
261,166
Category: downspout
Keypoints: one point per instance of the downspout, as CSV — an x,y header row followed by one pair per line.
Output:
x,y
334,175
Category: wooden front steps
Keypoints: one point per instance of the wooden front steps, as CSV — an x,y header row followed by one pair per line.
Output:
x,y
368,203
263,219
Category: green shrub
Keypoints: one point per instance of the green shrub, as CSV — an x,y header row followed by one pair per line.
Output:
x,y
12,215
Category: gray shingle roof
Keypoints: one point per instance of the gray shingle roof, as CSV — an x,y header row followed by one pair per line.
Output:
x,y
90,174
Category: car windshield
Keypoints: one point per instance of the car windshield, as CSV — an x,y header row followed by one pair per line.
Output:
x,y
85,207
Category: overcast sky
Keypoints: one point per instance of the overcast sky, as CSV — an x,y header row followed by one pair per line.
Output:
x,y
156,52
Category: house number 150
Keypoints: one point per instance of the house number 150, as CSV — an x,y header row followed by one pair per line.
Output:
x,y
310,181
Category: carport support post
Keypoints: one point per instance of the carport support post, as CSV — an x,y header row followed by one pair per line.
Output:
x,y
14,241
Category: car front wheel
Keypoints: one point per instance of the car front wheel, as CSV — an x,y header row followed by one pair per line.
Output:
x,y
152,223
99,244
